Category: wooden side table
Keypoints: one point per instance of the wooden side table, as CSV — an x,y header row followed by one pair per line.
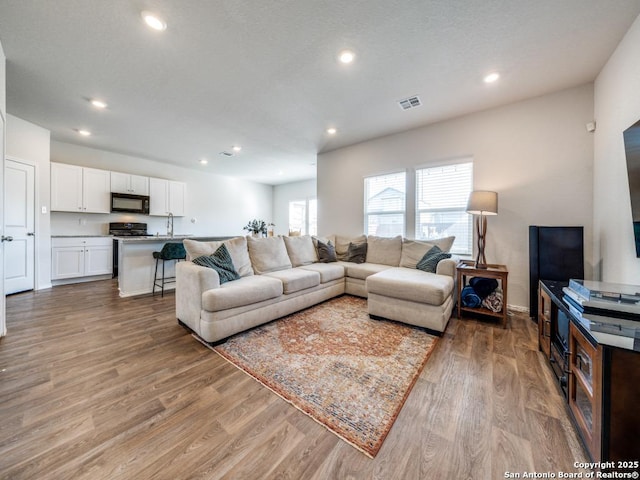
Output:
x,y
466,269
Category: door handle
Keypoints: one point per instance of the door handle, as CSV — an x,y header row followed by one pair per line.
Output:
x,y
6,239
31,234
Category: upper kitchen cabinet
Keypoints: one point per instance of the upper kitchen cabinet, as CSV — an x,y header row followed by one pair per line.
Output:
x,y
126,183
80,189
166,196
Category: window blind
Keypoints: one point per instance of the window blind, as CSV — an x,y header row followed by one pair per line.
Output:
x,y
441,201
384,204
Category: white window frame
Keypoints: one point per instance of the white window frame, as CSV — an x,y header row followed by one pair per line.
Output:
x,y
460,248
402,212
307,227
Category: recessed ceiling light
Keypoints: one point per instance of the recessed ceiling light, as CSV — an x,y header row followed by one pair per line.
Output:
x,y
83,132
280,172
346,56
237,148
204,161
153,21
98,103
331,131
492,77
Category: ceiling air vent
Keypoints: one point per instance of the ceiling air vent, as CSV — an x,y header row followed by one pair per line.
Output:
x,y
226,154
409,103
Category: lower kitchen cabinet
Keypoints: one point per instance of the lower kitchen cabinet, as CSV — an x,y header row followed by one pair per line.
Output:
x,y
78,257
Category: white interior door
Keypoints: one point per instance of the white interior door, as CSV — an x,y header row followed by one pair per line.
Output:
x,y
19,218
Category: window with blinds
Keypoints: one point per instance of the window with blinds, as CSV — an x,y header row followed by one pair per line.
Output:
x,y
384,204
441,202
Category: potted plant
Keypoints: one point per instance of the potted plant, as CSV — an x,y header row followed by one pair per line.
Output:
x,y
257,227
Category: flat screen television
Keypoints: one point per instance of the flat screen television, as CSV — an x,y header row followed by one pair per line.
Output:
x,y
632,151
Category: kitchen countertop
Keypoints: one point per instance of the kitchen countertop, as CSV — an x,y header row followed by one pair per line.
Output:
x,y
81,236
164,238
151,238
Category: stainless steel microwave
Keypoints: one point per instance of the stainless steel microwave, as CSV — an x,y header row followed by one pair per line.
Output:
x,y
127,203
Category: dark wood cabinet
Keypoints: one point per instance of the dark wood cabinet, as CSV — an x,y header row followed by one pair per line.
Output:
x,y
601,381
585,389
544,322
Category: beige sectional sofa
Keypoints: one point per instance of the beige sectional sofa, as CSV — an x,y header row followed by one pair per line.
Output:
x,y
282,275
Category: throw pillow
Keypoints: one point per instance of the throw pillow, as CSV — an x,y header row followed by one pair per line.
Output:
x,y
237,248
326,252
342,245
357,253
429,262
414,250
221,262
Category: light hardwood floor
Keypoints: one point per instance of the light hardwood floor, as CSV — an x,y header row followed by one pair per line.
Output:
x,y
93,386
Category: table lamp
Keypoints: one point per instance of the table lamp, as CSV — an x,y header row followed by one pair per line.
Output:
x,y
482,203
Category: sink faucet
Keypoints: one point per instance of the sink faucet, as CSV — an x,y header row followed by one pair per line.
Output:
x,y
170,224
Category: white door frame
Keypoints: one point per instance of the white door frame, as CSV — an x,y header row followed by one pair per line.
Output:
x,y
36,227
3,142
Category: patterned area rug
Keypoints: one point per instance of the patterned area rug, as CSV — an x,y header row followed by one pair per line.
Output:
x,y
346,371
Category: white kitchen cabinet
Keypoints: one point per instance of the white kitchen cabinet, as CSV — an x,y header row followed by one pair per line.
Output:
x,y
67,262
80,189
132,184
166,196
74,257
66,188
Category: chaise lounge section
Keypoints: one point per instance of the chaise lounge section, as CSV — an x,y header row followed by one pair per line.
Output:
x,y
277,276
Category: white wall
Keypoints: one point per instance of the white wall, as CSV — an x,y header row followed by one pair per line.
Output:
x,y
30,143
617,107
221,205
536,154
285,193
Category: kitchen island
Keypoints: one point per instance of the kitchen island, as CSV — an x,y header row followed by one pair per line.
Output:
x,y
136,265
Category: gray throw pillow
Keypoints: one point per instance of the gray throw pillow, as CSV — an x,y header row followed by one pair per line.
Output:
x,y
357,253
326,252
221,262
429,262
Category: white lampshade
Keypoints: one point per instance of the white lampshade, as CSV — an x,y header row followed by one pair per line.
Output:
x,y
483,203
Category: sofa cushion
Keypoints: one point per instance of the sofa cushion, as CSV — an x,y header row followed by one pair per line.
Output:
x,y
384,250
328,272
326,251
237,248
246,290
268,254
342,245
357,253
411,284
429,262
295,279
301,250
325,239
414,250
221,262
362,270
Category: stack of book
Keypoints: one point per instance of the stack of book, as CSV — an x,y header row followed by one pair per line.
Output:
x,y
586,297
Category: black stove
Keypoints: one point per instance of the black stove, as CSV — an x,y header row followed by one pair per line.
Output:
x,y
120,229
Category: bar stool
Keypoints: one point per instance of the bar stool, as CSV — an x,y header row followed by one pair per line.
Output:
x,y
170,251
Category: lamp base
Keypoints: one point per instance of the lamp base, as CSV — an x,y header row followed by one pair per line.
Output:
x,y
481,230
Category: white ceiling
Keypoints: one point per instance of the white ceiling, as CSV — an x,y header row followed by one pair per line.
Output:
x,y
263,74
